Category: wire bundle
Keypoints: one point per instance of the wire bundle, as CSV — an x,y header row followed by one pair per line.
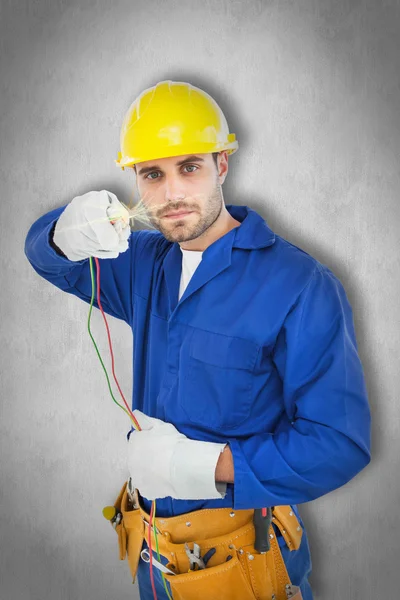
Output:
x,y
125,409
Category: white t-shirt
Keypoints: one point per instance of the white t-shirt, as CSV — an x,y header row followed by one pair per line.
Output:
x,y
190,261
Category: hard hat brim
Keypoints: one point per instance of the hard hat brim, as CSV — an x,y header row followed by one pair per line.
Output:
x,y
202,148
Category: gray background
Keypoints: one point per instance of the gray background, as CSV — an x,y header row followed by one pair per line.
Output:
x,y
312,91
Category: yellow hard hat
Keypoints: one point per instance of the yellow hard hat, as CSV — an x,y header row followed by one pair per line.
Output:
x,y
173,118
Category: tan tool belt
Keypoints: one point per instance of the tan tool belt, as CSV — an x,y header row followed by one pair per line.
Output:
x,y
249,575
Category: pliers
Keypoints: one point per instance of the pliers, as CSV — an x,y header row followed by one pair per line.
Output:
x,y
132,494
194,557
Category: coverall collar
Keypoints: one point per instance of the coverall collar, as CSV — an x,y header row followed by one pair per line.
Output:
x,y
253,233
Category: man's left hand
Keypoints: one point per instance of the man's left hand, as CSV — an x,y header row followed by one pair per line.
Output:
x,y
163,462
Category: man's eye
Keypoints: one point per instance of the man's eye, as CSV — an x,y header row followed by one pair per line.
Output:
x,y
152,173
193,166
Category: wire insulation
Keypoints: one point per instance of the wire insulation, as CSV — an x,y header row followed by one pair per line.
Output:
x,y
127,410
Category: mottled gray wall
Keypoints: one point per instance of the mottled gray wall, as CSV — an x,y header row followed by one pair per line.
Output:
x,y
312,91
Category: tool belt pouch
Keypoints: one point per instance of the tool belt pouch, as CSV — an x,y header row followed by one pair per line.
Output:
x,y
226,581
130,531
240,578
248,575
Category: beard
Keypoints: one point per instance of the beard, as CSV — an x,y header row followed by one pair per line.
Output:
x,y
194,225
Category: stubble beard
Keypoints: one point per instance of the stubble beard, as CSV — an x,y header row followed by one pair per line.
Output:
x,y
183,230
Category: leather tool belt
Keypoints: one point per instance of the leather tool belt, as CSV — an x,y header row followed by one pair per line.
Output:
x,y
248,575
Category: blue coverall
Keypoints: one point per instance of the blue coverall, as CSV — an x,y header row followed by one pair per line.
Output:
x,y
260,352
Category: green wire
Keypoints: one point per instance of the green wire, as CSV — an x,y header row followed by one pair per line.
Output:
x,y
90,333
158,553
112,395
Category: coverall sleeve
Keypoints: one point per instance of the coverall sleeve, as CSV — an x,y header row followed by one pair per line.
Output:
x,y
74,276
322,439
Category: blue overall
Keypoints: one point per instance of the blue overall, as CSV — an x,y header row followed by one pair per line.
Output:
x,y
260,352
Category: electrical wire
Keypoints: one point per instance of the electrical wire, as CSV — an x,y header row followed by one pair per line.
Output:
x,y
127,410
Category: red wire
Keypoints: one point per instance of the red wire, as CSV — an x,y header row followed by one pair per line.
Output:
x,y
109,340
130,412
151,552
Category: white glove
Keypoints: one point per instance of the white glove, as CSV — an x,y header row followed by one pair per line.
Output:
x,y
163,462
84,229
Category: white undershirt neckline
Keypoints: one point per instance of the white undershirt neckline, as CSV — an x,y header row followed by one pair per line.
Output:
x,y
190,261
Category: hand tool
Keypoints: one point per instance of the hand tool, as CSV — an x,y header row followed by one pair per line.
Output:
x,y
117,520
194,557
112,515
262,520
209,554
145,554
132,494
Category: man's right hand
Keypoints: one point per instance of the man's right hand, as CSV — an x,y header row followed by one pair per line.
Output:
x,y
85,229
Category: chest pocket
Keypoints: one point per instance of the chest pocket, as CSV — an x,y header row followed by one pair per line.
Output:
x,y
216,379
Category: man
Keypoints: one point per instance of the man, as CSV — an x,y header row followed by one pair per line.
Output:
x,y
248,387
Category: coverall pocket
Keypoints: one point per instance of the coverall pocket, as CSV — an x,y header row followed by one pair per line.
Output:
x,y
226,581
217,381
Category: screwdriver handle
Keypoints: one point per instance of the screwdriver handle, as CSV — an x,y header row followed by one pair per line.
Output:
x,y
262,520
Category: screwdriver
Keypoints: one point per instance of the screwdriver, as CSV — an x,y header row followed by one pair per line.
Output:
x,y
262,520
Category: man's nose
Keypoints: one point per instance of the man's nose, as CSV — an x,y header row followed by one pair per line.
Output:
x,y
174,189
